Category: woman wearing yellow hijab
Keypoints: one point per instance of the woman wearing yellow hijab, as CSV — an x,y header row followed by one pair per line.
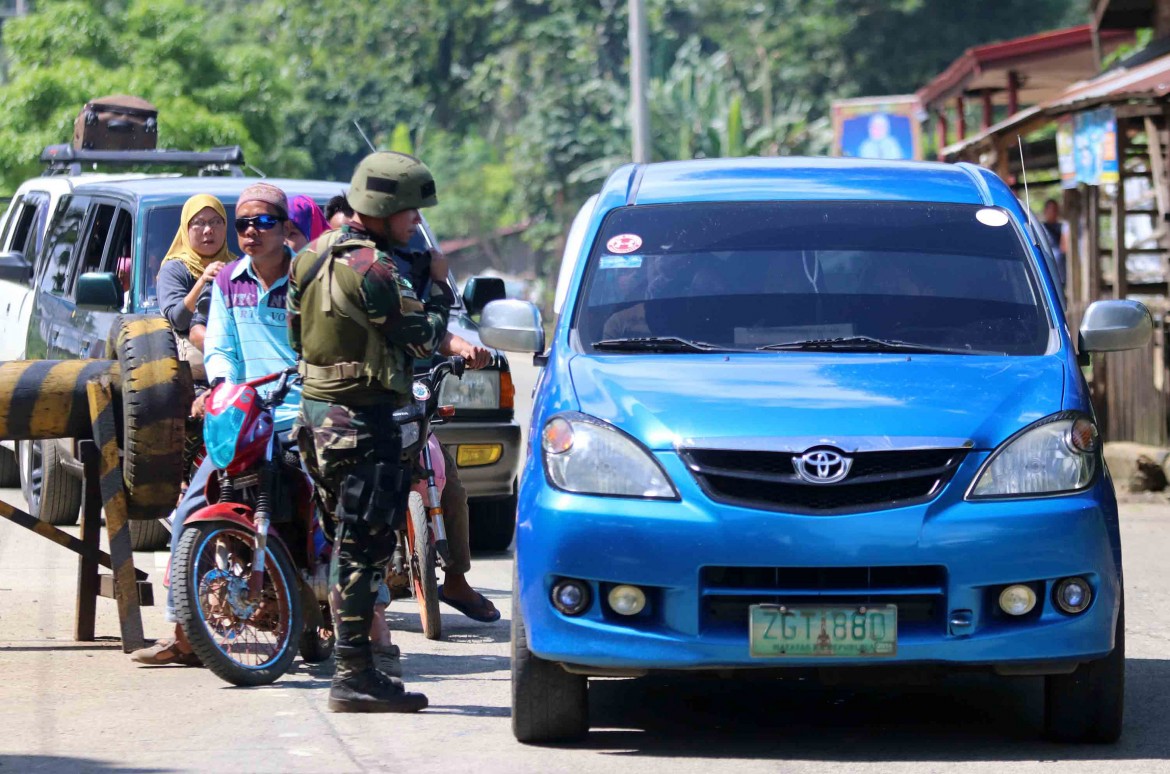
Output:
x,y
197,253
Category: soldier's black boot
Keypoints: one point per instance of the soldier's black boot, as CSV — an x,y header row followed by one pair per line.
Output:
x,y
359,687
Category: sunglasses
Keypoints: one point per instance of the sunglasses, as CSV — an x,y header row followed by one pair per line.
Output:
x,y
258,222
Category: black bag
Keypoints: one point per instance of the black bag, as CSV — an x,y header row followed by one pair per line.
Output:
x,y
117,122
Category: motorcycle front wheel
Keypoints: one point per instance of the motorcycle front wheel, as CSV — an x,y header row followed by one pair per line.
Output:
x,y
424,565
242,640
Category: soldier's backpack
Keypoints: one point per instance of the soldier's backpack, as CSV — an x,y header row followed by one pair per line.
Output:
x,y
117,122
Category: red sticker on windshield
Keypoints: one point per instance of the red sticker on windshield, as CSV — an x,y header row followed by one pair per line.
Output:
x,y
624,243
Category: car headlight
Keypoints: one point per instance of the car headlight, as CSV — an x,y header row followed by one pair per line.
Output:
x,y
587,456
1056,455
476,390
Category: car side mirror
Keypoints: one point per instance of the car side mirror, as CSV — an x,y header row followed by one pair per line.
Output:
x,y
1113,326
481,291
15,268
99,291
513,326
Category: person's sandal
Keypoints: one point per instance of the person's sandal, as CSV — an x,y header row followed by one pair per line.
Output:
x,y
165,652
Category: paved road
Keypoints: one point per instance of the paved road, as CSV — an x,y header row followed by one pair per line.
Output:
x,y
84,707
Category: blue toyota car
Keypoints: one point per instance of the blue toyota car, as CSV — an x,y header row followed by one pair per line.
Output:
x,y
814,413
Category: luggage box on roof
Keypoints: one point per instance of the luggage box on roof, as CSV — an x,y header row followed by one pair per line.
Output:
x,y
117,122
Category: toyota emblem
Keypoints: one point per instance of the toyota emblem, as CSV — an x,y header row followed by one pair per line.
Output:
x,y
822,466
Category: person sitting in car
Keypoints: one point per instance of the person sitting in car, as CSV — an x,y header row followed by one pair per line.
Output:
x,y
195,257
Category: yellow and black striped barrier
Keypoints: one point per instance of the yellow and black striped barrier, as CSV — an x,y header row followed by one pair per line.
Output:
x,y
133,406
42,399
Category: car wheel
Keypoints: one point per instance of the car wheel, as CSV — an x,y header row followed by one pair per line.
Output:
x,y
52,493
493,522
149,535
9,469
1088,705
548,703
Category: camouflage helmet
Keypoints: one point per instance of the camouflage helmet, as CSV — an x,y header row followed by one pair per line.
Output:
x,y
387,182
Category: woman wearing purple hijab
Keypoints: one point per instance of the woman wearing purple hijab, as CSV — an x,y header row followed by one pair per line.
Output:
x,y
306,222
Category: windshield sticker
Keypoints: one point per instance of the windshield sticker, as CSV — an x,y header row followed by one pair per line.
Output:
x,y
621,261
623,244
989,216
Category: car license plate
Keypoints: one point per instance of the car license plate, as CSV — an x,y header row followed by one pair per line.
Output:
x,y
824,630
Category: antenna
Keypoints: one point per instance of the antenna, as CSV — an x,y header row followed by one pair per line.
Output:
x,y
1023,172
358,126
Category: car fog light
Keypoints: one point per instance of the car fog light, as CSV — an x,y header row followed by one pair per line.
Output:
x,y
571,597
627,600
1017,600
1073,595
471,455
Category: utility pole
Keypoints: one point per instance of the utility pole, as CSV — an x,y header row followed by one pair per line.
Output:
x,y
639,82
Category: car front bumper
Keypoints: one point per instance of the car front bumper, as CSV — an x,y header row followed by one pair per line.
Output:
x,y
485,481
668,549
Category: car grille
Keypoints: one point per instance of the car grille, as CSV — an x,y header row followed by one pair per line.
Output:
x,y
918,591
876,480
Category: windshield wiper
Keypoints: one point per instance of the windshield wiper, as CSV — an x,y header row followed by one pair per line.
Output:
x,y
867,344
657,344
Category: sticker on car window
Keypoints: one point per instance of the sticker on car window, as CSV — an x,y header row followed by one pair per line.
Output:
x,y
990,216
623,244
621,261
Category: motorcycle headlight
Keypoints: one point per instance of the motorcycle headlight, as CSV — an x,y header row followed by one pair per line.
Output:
x,y
476,390
1056,455
410,433
587,456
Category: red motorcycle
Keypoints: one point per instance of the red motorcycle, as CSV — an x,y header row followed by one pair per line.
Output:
x,y
250,577
250,583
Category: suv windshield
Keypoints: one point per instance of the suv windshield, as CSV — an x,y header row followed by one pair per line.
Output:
x,y
162,223
872,276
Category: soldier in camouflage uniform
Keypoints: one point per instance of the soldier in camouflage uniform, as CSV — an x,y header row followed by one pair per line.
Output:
x,y
357,326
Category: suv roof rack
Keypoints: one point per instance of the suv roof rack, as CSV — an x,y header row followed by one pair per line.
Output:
x,y
65,159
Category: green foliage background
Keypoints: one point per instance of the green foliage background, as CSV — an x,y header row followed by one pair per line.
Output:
x,y
518,105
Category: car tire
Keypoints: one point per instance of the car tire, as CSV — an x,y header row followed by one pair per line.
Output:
x,y
1088,704
548,704
9,468
52,493
493,524
150,535
156,396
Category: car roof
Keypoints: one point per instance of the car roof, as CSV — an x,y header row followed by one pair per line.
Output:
x,y
790,178
176,190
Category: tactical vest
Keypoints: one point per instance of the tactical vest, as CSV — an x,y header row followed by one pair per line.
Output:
x,y
338,342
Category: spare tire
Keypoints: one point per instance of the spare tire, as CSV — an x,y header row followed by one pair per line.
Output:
x,y
156,398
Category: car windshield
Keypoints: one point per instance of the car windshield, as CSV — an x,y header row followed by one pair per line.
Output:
x,y
849,276
162,223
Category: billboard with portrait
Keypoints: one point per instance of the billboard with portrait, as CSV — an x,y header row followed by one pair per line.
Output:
x,y
877,128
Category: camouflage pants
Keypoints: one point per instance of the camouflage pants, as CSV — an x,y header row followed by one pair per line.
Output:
x,y
341,447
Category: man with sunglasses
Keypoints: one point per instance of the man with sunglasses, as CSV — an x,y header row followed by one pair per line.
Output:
x,y
358,326
246,338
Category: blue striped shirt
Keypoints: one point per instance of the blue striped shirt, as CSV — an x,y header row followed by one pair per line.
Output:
x,y
247,333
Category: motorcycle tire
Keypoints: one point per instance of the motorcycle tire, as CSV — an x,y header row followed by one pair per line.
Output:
x,y
195,581
424,566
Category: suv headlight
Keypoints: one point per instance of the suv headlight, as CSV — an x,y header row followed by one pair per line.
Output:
x,y
1056,455
587,456
476,390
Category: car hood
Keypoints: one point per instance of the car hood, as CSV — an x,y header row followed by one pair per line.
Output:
x,y
797,400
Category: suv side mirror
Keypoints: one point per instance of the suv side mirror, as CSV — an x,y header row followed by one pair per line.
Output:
x,y
513,326
1112,326
99,291
481,291
15,268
